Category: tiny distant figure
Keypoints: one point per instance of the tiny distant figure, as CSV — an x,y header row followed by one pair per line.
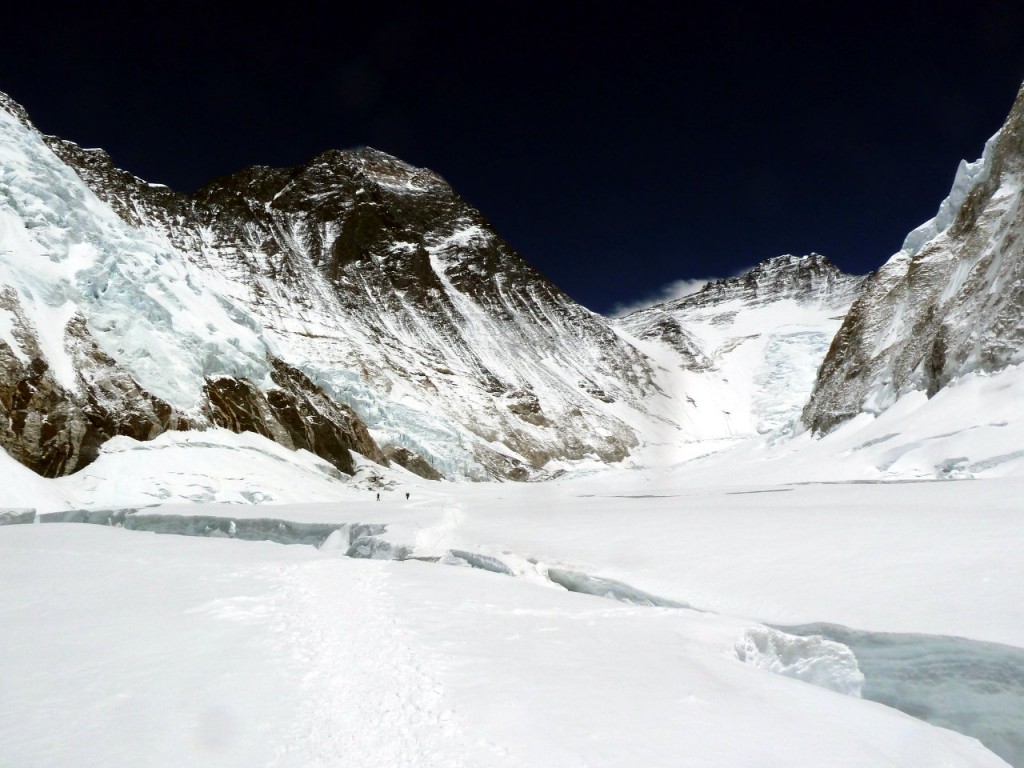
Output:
x,y
378,497
406,495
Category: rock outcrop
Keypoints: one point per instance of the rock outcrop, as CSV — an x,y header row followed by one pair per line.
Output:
x,y
951,302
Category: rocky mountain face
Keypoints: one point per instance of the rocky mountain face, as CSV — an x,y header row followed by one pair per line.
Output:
x,y
951,302
306,304
746,348
357,303
105,330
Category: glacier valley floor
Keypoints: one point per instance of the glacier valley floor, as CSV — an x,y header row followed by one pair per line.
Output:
x,y
492,640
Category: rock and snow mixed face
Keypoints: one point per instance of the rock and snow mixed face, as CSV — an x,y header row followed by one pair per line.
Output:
x,y
277,300
106,329
390,295
373,284
948,304
744,351
356,301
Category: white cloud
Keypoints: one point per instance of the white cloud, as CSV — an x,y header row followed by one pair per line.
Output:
x,y
674,290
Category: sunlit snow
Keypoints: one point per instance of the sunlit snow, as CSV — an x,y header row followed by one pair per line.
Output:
x,y
735,592
64,251
301,655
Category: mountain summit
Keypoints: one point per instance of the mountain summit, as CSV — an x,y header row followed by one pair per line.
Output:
x,y
359,285
356,303
106,330
749,346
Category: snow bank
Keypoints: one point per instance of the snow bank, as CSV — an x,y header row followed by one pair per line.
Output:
x,y
21,489
213,466
812,659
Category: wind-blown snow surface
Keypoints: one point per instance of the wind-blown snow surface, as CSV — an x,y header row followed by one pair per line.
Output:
x,y
224,652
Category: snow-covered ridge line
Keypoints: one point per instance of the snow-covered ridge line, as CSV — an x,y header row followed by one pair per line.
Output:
x,y
741,354
946,305
399,300
108,329
969,176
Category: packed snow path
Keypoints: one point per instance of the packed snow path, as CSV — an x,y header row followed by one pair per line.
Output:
x,y
366,697
215,653
206,651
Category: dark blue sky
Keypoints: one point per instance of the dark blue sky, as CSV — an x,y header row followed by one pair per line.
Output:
x,y
619,148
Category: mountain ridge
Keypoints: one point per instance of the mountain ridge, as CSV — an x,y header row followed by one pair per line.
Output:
x,y
357,302
947,304
105,332
748,347
392,296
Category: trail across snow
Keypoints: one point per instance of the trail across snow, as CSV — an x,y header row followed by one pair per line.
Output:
x,y
366,696
179,651
120,645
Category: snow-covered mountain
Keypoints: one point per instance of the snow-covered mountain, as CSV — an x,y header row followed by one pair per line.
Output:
x,y
105,329
950,303
278,298
745,349
358,303
749,589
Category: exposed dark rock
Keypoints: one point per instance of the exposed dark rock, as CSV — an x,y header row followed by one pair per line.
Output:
x,y
316,422
359,241
946,305
55,429
298,415
413,462
526,406
798,277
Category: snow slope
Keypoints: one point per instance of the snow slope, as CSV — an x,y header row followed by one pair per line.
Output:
x,y
393,295
106,329
23,489
210,466
738,358
261,654
64,252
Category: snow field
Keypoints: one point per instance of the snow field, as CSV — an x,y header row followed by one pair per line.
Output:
x,y
231,653
475,668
